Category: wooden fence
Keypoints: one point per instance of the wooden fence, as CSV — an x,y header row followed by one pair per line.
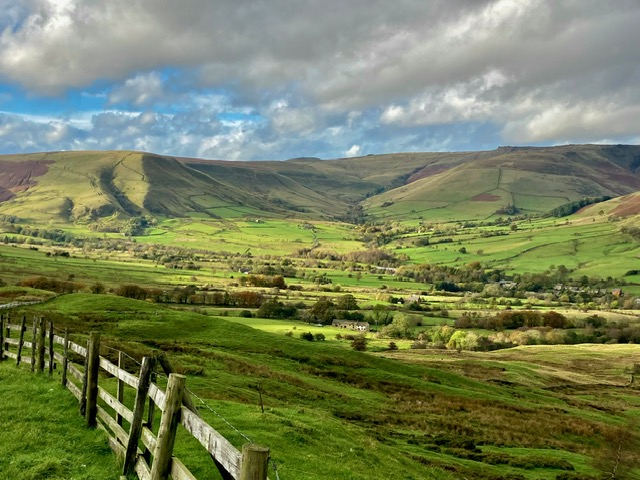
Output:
x,y
148,454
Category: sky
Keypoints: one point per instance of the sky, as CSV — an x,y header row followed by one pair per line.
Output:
x,y
279,79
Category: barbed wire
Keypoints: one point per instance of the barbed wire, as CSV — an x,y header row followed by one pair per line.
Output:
x,y
202,401
208,407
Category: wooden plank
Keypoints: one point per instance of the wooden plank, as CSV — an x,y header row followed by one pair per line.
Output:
x,y
27,344
58,356
13,326
179,471
123,375
110,422
75,390
116,447
12,341
76,372
149,439
158,396
9,354
218,446
115,404
74,347
142,469
58,340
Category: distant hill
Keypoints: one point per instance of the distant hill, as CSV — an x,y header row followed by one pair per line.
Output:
x,y
85,186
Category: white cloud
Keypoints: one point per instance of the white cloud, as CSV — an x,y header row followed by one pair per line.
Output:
x,y
140,90
354,151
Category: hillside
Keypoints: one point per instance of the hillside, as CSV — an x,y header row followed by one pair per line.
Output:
x,y
532,412
77,187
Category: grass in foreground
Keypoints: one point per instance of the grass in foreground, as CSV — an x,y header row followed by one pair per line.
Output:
x,y
43,435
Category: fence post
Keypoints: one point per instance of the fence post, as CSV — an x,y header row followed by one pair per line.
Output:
x,y
51,356
34,337
65,362
1,337
93,366
41,337
8,332
83,393
23,328
120,387
138,413
168,426
255,462
150,417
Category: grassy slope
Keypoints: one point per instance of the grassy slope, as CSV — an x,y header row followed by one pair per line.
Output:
x,y
458,185
534,180
43,436
336,413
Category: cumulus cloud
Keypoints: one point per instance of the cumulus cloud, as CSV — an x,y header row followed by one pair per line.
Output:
x,y
261,79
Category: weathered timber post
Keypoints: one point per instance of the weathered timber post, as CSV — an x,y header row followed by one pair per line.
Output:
x,y
41,339
51,356
168,427
83,393
188,402
7,334
65,361
150,417
138,412
120,387
93,365
34,337
23,328
255,462
1,337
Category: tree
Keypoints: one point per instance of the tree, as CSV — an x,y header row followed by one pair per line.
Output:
x,y
359,343
347,302
323,311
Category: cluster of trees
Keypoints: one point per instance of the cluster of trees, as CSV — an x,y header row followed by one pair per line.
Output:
x,y
51,284
55,235
371,256
190,295
512,319
129,227
264,281
572,207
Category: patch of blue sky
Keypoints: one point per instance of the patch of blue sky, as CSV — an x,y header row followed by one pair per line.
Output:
x,y
15,100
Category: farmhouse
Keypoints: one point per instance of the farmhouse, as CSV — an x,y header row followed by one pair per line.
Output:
x,y
413,299
351,325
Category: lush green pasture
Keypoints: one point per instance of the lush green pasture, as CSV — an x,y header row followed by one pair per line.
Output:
x,y
419,413
592,249
43,435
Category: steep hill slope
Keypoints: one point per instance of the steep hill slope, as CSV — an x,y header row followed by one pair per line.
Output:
x,y
512,179
85,186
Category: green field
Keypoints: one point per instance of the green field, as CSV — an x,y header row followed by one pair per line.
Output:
x,y
427,414
44,436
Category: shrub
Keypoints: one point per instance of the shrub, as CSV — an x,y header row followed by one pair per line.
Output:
x,y
307,336
359,343
245,314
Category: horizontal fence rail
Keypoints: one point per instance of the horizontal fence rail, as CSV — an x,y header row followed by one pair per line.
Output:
x,y
34,345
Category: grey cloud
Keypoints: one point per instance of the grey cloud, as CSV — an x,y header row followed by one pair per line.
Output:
x,y
539,70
